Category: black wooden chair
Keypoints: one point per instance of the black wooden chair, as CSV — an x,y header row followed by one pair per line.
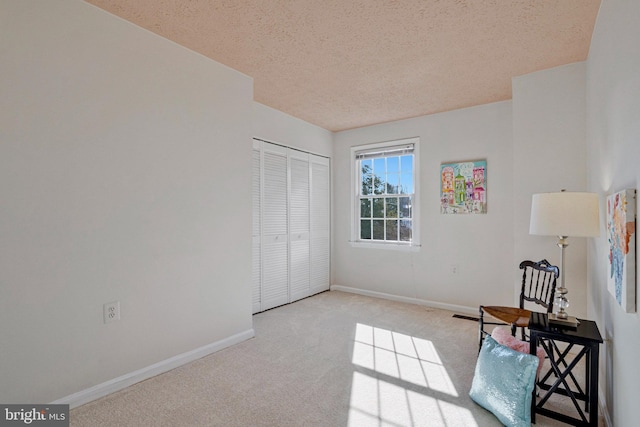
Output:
x,y
538,287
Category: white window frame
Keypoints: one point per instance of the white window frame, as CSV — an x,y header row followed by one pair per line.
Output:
x,y
355,240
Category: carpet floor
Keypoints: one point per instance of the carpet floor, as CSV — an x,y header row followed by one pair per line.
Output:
x,y
334,359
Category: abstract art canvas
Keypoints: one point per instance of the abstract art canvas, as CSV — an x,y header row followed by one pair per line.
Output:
x,y
621,234
463,187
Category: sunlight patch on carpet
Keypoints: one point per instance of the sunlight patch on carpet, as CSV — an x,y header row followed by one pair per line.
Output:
x,y
401,356
401,381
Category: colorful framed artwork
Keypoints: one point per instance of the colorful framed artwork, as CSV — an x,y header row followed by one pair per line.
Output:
x,y
463,187
621,234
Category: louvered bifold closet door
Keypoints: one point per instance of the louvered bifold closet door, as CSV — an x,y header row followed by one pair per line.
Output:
x,y
299,220
320,223
256,273
275,268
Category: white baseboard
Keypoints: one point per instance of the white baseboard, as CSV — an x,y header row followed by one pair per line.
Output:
x,y
604,411
473,311
85,396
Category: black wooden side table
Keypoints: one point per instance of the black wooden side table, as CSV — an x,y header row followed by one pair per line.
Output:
x,y
560,378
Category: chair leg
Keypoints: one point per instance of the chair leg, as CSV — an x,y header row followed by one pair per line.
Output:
x,y
481,329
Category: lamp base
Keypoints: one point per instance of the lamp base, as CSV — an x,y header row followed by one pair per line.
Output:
x,y
569,322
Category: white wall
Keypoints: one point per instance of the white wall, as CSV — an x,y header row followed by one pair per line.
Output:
x,y
613,137
549,154
481,245
125,166
275,126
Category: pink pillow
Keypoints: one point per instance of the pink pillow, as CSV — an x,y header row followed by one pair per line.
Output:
x,y
503,336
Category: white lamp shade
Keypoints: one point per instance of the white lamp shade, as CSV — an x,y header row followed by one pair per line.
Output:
x,y
566,214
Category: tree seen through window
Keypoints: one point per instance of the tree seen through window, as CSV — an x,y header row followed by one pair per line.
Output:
x,y
386,196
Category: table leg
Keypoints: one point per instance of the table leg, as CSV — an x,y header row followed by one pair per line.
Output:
x,y
533,344
592,377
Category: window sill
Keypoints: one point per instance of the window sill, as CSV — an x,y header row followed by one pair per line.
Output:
x,y
385,246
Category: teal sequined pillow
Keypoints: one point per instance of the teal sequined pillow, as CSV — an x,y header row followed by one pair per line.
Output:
x,y
503,383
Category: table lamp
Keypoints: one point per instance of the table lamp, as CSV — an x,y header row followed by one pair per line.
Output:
x,y
564,214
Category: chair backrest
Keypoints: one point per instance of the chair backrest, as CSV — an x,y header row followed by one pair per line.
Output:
x,y
538,283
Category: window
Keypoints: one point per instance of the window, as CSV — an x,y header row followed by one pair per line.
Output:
x,y
385,205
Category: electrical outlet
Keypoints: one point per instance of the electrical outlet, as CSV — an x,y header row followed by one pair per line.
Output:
x,y
111,311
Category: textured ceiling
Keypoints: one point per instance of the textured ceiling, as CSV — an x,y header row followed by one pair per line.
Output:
x,y
342,64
